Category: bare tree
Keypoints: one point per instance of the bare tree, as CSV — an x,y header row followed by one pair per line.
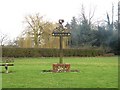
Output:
x,y
90,14
3,39
35,27
38,30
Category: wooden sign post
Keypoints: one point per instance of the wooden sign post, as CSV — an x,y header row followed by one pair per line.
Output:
x,y
61,32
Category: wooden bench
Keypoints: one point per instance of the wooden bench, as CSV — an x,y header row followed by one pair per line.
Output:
x,y
7,62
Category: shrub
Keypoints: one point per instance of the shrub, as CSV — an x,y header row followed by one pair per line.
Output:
x,y
41,52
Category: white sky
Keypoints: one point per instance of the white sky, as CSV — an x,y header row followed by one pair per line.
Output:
x,y
12,12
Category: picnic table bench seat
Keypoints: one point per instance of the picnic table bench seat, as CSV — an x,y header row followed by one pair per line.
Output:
x,y
6,61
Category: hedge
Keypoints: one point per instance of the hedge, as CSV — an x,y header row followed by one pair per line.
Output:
x,y
41,52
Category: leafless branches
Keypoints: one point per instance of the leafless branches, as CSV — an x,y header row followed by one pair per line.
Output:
x,y
3,39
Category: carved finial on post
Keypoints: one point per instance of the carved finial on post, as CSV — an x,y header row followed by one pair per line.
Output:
x,y
61,21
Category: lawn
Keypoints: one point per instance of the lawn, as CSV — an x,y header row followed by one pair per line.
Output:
x,y
95,72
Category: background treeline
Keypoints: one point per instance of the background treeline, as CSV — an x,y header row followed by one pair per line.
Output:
x,y
86,33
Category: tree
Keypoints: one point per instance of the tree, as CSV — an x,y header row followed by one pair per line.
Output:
x,y
3,39
74,32
20,42
86,27
35,27
38,33
82,32
47,35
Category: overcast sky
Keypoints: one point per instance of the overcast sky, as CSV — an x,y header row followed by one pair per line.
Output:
x,y
12,12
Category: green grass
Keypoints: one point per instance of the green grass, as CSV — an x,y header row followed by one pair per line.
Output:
x,y
95,72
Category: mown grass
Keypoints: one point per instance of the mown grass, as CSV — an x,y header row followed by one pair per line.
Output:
x,y
95,72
